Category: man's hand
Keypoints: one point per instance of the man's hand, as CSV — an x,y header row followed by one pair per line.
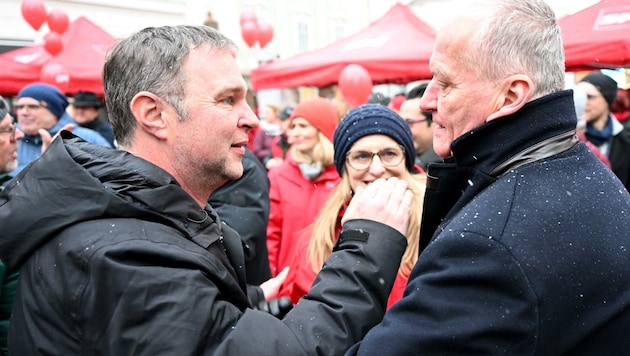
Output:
x,y
47,139
385,201
271,287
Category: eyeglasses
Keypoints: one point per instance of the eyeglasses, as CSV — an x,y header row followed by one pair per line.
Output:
x,y
413,122
28,106
10,131
389,157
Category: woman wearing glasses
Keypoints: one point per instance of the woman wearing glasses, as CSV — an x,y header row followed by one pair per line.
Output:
x,y
371,142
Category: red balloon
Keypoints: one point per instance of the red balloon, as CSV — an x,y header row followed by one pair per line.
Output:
x,y
248,15
34,12
58,21
355,84
52,43
265,33
55,74
249,31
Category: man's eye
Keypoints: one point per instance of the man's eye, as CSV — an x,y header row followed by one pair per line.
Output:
x,y
229,100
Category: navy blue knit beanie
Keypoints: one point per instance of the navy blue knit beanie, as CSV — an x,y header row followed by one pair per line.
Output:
x,y
371,119
53,99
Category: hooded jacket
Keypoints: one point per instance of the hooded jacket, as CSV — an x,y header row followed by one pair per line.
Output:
x,y
117,259
529,259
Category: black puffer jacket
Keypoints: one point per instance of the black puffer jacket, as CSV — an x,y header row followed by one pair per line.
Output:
x,y
118,260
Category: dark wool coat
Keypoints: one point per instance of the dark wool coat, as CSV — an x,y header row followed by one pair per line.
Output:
x,y
117,259
534,262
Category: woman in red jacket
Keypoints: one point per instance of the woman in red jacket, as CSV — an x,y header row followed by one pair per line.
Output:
x,y
371,142
302,183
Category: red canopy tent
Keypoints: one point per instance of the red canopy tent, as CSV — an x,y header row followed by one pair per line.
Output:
x,y
598,36
394,49
83,56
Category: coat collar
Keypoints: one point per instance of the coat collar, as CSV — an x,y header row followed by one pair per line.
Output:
x,y
492,143
543,127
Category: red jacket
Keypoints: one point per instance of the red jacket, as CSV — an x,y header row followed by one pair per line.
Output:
x,y
301,275
294,204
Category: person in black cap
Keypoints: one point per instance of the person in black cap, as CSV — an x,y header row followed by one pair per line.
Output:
x,y
87,107
602,128
281,143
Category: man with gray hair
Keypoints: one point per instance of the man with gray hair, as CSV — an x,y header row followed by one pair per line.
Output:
x,y
9,137
120,253
525,233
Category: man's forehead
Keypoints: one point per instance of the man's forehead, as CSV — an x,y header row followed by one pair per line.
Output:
x,y
27,99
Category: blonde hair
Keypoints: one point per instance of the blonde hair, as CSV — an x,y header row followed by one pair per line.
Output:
x,y
323,152
275,108
323,236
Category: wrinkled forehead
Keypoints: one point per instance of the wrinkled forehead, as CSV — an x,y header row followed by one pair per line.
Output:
x,y
27,100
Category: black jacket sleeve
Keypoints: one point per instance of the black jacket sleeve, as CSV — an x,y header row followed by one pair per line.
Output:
x,y
348,297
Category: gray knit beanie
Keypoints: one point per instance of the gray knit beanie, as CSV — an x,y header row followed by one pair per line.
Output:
x,y
371,119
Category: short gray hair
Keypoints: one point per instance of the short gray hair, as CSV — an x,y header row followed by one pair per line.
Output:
x,y
517,36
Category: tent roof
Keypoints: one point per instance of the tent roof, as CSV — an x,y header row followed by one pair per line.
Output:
x,y
83,55
598,36
394,49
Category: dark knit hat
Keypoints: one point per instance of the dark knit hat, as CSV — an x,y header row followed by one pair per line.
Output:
x,y
319,112
4,108
86,99
372,119
53,99
605,84
285,113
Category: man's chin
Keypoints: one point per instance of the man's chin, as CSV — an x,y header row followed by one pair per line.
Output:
x,y
9,167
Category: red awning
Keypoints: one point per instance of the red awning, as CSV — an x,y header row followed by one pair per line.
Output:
x,y
598,36
83,55
394,49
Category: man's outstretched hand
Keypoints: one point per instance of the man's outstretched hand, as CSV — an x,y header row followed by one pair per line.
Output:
x,y
385,201
47,139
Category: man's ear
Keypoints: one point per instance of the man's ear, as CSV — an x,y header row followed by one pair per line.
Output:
x,y
518,90
149,110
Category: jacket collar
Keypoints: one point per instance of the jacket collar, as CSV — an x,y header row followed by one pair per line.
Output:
x,y
491,144
543,127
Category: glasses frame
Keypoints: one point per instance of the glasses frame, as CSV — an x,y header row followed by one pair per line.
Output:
x,y
388,165
12,130
413,122
30,107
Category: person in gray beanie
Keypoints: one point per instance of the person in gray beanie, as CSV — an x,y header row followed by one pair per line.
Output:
x,y
371,142
602,128
42,106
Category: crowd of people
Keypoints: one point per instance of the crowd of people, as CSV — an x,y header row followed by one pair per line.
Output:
x,y
477,213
